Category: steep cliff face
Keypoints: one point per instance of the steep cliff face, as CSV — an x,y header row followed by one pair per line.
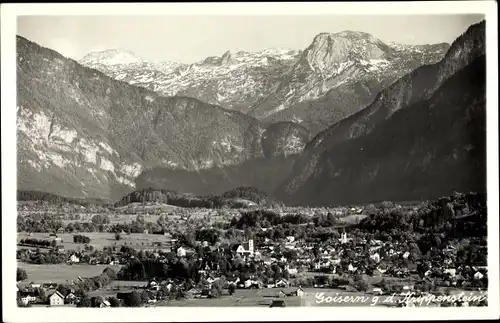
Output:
x,y
263,173
429,149
414,88
82,134
284,139
339,74
281,144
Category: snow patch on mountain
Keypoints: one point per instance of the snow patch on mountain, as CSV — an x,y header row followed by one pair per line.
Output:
x,y
132,170
107,165
112,57
106,147
58,160
125,181
35,165
68,136
233,80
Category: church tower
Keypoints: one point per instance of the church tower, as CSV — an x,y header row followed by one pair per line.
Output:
x,y
250,246
343,237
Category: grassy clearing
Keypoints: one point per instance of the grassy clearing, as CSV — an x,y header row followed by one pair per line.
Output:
x,y
61,273
353,218
103,239
261,298
241,297
125,218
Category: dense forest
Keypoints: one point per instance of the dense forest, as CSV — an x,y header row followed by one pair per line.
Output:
x,y
248,193
175,198
151,195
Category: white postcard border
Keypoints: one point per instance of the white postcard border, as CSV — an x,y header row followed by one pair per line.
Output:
x,y
11,313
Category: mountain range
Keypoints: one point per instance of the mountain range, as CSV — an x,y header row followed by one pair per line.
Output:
x,y
347,119
83,134
233,80
421,136
337,75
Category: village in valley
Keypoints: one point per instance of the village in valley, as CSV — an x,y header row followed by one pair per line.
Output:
x,y
150,250
197,160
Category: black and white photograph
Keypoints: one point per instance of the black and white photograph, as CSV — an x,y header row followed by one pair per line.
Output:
x,y
329,159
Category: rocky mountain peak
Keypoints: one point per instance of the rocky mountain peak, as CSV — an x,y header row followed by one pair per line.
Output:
x,y
111,57
227,59
329,49
416,89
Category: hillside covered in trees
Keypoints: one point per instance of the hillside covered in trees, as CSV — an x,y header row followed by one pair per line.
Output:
x,y
227,199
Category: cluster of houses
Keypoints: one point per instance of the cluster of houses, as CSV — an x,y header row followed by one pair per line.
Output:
x,y
336,211
331,256
385,259
45,293
329,252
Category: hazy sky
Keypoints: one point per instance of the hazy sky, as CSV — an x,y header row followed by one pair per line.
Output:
x,y
187,39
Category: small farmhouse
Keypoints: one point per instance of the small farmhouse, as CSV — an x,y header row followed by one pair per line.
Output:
x,y
74,259
56,299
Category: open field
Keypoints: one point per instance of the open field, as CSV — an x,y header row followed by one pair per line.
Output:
x,y
353,218
124,218
61,273
120,218
102,239
312,297
241,297
264,297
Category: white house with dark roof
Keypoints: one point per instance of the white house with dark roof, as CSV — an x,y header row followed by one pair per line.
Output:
x,y
56,299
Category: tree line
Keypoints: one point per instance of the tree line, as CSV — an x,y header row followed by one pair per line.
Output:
x,y
78,238
23,195
193,201
37,242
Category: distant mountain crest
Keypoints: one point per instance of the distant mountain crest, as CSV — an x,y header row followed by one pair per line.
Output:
x,y
228,59
281,84
232,80
112,57
337,75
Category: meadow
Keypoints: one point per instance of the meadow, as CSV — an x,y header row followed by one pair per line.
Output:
x,y
241,297
102,239
61,273
264,297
